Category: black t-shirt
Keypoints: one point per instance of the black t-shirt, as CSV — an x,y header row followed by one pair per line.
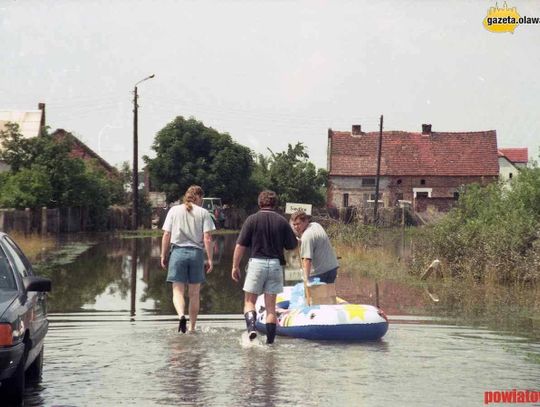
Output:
x,y
267,234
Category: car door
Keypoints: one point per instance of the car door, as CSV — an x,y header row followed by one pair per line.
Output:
x,y
33,303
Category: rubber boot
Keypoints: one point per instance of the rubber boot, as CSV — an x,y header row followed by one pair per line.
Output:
x,y
251,317
270,332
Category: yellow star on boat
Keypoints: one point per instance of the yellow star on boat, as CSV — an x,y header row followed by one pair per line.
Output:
x,y
355,311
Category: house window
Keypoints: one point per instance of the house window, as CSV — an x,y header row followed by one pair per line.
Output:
x,y
510,176
372,196
399,196
345,200
422,195
368,182
422,182
399,182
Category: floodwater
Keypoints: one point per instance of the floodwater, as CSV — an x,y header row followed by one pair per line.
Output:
x,y
113,341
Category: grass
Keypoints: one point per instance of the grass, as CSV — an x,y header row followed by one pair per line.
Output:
x,y
515,308
34,246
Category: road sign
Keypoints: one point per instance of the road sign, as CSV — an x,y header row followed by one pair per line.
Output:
x,y
293,207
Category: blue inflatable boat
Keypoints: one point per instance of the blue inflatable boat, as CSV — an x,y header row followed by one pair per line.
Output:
x,y
341,321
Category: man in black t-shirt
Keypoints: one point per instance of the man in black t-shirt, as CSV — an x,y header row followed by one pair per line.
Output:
x,y
267,234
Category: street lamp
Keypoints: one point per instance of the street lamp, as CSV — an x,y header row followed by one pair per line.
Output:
x,y
135,187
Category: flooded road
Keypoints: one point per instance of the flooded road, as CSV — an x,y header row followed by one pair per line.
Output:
x,y
113,342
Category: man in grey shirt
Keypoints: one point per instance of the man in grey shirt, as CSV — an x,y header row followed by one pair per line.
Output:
x,y
318,257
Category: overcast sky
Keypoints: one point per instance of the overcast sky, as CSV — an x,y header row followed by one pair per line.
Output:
x,y
270,73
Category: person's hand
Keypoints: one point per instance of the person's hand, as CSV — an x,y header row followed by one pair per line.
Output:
x,y
209,266
235,274
164,262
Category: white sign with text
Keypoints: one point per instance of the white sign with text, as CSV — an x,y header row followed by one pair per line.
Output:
x,y
291,208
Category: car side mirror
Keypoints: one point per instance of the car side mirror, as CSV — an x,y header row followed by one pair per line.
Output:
x,y
33,283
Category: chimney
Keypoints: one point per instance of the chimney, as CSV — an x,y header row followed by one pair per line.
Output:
x,y
41,106
426,129
329,151
356,130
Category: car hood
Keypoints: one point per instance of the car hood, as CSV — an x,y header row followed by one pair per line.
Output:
x,y
6,298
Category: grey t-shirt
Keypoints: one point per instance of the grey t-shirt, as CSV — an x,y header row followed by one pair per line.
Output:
x,y
188,228
316,246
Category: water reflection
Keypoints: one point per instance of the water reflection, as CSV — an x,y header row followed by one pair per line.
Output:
x,y
259,372
131,356
185,366
125,275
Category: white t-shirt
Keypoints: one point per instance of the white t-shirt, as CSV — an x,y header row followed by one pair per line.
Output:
x,y
188,228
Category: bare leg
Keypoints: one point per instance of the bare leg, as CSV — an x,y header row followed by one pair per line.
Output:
x,y
249,301
270,305
178,298
194,301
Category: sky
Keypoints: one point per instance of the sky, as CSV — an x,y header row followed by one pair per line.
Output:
x,y
270,73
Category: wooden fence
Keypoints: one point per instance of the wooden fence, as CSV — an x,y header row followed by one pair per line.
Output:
x,y
63,220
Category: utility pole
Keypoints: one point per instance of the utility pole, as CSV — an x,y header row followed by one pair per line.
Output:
x,y
375,214
135,184
135,180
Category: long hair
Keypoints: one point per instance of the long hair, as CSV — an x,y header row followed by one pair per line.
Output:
x,y
191,195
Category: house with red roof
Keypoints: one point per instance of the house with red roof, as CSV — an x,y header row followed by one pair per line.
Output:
x,y
511,160
424,168
85,153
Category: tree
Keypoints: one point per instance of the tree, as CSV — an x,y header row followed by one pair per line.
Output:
x,y
28,188
188,152
292,176
43,173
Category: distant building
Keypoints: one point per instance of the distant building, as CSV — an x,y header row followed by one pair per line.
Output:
x,y
511,160
30,124
424,168
82,151
30,121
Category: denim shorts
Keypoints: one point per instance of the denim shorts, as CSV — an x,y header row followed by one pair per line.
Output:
x,y
264,276
186,265
327,277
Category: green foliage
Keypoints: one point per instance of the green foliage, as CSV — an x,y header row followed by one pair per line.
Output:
x,y
15,150
292,176
28,188
43,173
188,152
492,234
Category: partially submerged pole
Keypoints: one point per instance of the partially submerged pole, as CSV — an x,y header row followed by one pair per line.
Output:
x,y
379,148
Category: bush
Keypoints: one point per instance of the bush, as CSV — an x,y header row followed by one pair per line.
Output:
x,y
493,233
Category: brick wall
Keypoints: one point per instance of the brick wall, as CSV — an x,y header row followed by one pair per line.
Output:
x,y
399,187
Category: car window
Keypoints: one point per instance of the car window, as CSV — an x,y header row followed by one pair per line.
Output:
x,y
20,262
7,279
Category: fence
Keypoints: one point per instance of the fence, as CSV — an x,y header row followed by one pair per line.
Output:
x,y
63,220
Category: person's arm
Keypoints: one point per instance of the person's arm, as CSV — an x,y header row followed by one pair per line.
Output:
x,y
165,248
209,253
239,251
306,267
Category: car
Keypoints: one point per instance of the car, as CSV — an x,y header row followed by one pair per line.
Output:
x,y
215,207
23,320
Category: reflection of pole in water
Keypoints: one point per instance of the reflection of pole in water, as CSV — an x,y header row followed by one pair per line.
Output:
x,y
133,286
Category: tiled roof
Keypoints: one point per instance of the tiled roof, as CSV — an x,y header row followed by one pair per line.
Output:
x,y
415,154
63,134
515,155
